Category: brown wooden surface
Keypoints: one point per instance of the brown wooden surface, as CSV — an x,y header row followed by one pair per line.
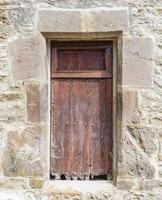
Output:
x,y
81,131
82,74
81,60
77,56
81,114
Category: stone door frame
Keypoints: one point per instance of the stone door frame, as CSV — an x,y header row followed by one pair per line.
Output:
x,y
89,24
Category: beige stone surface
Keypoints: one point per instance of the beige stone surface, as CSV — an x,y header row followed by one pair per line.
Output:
x,y
66,191
10,97
33,102
132,161
28,58
14,183
138,62
44,105
36,102
89,20
59,20
145,137
149,102
36,183
106,20
125,184
12,112
149,184
130,110
22,152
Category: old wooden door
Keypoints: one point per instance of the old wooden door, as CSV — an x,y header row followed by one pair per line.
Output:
x,y
81,110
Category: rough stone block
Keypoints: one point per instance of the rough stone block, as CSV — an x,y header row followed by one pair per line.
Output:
x,y
146,104
36,102
160,157
138,54
142,195
83,20
106,20
28,57
10,96
144,136
33,102
130,112
63,191
36,183
14,183
3,62
133,163
59,20
148,184
12,112
22,152
125,184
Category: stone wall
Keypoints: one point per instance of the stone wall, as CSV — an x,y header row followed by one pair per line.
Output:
x,y
24,110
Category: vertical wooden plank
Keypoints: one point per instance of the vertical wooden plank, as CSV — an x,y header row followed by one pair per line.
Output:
x,y
60,140
101,132
96,138
107,136
108,128
52,152
81,137
92,129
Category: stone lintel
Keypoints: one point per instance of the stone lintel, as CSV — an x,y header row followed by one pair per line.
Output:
x,y
83,20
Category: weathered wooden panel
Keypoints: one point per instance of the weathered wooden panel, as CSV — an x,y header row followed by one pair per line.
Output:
x,y
67,60
80,56
81,59
81,134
